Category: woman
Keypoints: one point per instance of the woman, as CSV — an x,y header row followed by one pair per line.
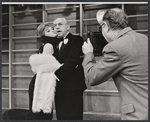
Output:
x,y
47,35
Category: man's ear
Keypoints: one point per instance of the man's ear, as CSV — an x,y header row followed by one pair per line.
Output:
x,y
107,26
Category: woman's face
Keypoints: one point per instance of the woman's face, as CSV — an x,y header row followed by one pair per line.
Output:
x,y
49,32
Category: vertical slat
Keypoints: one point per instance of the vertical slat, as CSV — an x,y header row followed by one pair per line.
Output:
x,y
81,20
122,6
10,57
44,15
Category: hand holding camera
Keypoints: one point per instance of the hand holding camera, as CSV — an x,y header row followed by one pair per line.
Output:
x,y
87,47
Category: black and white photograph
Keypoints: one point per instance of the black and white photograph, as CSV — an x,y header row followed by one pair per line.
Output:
x,y
74,61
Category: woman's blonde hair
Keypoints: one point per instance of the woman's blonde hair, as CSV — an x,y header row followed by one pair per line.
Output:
x,y
41,28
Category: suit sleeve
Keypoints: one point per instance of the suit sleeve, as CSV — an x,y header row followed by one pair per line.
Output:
x,y
100,71
73,59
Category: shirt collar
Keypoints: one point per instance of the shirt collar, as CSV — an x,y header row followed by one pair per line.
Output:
x,y
66,35
122,32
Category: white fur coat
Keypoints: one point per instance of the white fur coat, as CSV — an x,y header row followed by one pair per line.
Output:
x,y
44,66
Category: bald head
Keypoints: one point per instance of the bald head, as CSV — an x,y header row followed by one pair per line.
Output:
x,y
62,19
116,9
99,16
115,18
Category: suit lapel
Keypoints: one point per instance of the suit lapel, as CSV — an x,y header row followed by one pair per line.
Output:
x,y
62,47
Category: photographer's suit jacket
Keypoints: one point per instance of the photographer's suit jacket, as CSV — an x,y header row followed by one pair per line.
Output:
x,y
126,60
71,74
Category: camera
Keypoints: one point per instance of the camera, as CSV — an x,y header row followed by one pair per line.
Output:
x,y
98,42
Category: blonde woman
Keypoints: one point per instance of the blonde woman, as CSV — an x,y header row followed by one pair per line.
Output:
x,y
47,35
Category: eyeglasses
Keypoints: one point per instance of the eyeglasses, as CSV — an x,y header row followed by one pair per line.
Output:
x,y
100,27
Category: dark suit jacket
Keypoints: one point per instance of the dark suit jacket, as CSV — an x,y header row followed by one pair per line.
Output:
x,y
52,40
71,74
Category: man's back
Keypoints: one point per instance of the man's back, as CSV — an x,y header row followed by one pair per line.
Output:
x,y
132,80
132,48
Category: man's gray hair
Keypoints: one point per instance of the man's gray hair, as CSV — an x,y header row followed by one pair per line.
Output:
x,y
63,19
116,18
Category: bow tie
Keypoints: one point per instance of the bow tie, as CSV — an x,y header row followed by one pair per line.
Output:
x,y
61,39
62,43
64,40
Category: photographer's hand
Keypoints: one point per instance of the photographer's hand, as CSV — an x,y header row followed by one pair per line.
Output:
x,y
87,47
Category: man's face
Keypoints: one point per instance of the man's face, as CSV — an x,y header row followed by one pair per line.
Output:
x,y
104,30
102,24
60,27
48,31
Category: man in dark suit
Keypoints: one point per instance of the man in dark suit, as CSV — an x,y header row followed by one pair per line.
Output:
x,y
125,58
70,85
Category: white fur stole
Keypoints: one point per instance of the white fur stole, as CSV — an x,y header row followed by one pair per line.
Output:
x,y
44,65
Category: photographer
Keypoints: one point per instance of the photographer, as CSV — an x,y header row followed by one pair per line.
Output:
x,y
125,59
